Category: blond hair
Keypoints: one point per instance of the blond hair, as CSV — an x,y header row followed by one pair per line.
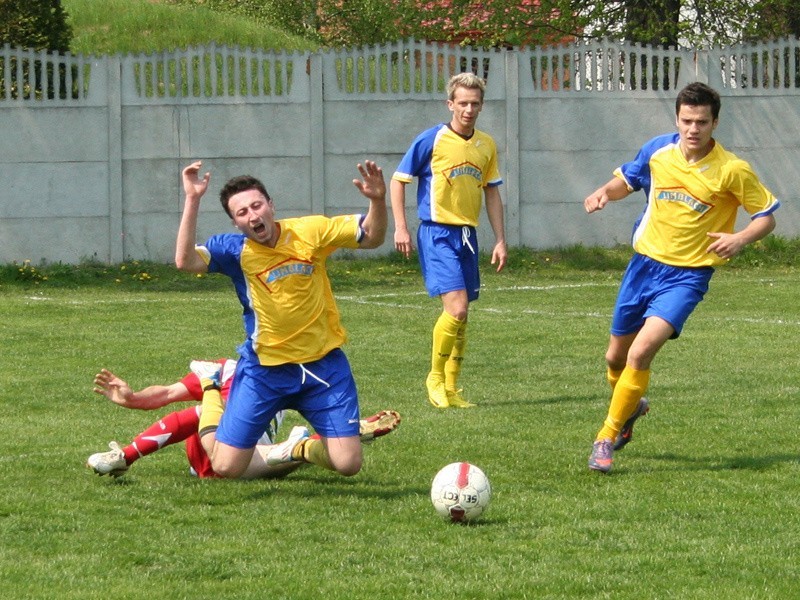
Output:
x,y
469,81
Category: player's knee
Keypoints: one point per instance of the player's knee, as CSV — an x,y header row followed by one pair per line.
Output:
x,y
458,312
226,468
615,362
640,362
349,469
226,472
348,465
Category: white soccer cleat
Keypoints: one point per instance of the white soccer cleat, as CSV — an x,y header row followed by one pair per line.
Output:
x,y
282,453
207,370
108,463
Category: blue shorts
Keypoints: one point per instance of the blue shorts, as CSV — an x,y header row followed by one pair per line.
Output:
x,y
448,255
652,289
323,391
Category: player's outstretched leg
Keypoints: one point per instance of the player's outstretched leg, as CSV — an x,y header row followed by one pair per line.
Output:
x,y
378,425
108,463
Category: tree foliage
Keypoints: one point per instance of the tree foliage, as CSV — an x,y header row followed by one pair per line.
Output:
x,y
684,23
687,23
776,19
37,24
340,22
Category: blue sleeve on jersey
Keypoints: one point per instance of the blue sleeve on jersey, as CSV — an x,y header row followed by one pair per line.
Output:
x,y
637,172
417,159
768,211
225,250
360,233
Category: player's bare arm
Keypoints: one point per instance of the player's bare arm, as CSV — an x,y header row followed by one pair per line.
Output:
x,y
186,258
120,393
728,245
615,189
373,186
494,210
402,237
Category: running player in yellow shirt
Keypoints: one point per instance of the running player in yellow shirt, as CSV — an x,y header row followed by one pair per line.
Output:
x,y
694,188
456,166
291,356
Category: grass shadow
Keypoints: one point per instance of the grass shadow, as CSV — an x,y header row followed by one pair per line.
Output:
x,y
717,463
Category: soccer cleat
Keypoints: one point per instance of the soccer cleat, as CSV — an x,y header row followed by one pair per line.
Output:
x,y
282,453
626,434
602,456
108,463
455,399
437,395
378,425
210,371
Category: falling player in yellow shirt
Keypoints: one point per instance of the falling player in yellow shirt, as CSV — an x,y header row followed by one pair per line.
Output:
x,y
291,356
694,188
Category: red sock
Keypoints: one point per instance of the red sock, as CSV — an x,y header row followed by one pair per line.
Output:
x,y
173,428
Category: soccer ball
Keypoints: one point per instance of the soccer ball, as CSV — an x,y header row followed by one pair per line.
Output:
x,y
460,492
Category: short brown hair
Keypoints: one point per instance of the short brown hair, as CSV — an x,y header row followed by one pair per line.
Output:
x,y
699,94
242,183
469,81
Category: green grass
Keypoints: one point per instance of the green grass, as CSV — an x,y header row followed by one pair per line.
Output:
x,y
133,26
704,503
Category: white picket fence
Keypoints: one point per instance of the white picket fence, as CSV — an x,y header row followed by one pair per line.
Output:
x,y
400,70
98,141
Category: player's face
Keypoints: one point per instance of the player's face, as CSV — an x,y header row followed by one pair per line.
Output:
x,y
696,126
254,216
466,105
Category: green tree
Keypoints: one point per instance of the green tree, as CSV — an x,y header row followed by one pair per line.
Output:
x,y
37,24
686,23
776,19
340,22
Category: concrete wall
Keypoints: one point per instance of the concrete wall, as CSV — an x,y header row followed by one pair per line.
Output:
x,y
95,174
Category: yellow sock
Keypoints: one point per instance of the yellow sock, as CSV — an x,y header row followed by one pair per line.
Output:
x,y
452,368
212,410
444,337
630,388
314,452
612,376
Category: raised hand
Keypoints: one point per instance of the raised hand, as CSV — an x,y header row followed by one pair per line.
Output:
x,y
372,184
193,186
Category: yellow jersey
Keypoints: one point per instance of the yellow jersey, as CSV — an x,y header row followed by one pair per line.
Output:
x,y
452,173
686,201
290,315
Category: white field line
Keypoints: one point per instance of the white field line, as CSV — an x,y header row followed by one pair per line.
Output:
x,y
381,300
386,299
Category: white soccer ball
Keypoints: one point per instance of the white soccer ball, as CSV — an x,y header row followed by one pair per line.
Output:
x,y
460,492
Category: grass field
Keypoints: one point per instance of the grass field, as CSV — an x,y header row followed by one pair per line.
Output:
x,y
704,503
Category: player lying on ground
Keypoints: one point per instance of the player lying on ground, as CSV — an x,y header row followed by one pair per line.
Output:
x,y
182,425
